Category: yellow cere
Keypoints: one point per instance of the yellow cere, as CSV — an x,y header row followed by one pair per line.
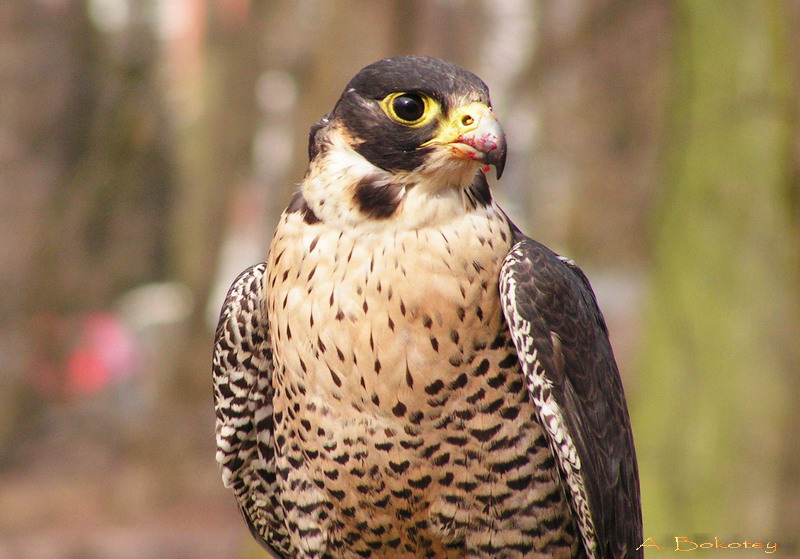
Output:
x,y
462,120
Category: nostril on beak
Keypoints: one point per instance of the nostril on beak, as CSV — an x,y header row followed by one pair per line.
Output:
x,y
467,120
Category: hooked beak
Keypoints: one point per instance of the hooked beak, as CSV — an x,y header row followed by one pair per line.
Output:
x,y
473,132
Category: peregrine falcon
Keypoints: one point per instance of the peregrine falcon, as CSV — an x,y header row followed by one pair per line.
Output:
x,y
408,375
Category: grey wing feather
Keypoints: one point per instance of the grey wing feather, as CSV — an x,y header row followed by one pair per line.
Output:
x,y
242,371
572,378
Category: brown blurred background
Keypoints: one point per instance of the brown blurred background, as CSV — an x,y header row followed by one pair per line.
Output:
x,y
148,146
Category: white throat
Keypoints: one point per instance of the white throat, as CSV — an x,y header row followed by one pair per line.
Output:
x,y
425,198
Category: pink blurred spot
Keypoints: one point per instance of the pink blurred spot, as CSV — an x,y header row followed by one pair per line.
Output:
x,y
104,355
86,372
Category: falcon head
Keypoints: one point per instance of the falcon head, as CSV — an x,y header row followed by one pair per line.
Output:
x,y
407,133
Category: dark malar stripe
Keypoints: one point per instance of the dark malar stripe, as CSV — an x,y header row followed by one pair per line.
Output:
x,y
376,198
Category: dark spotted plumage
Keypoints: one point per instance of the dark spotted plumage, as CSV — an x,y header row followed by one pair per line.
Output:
x,y
299,205
409,376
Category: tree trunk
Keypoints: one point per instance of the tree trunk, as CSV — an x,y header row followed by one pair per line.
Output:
x,y
85,178
713,414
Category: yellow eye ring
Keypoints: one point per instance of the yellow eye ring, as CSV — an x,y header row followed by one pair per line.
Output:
x,y
410,108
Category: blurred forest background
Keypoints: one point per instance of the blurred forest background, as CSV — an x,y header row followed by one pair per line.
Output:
x,y
148,146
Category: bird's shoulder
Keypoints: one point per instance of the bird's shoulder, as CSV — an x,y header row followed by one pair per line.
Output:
x,y
554,299
564,348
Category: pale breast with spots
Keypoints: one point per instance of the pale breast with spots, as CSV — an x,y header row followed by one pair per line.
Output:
x,y
398,395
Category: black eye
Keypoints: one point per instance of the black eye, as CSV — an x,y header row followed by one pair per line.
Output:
x,y
409,107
